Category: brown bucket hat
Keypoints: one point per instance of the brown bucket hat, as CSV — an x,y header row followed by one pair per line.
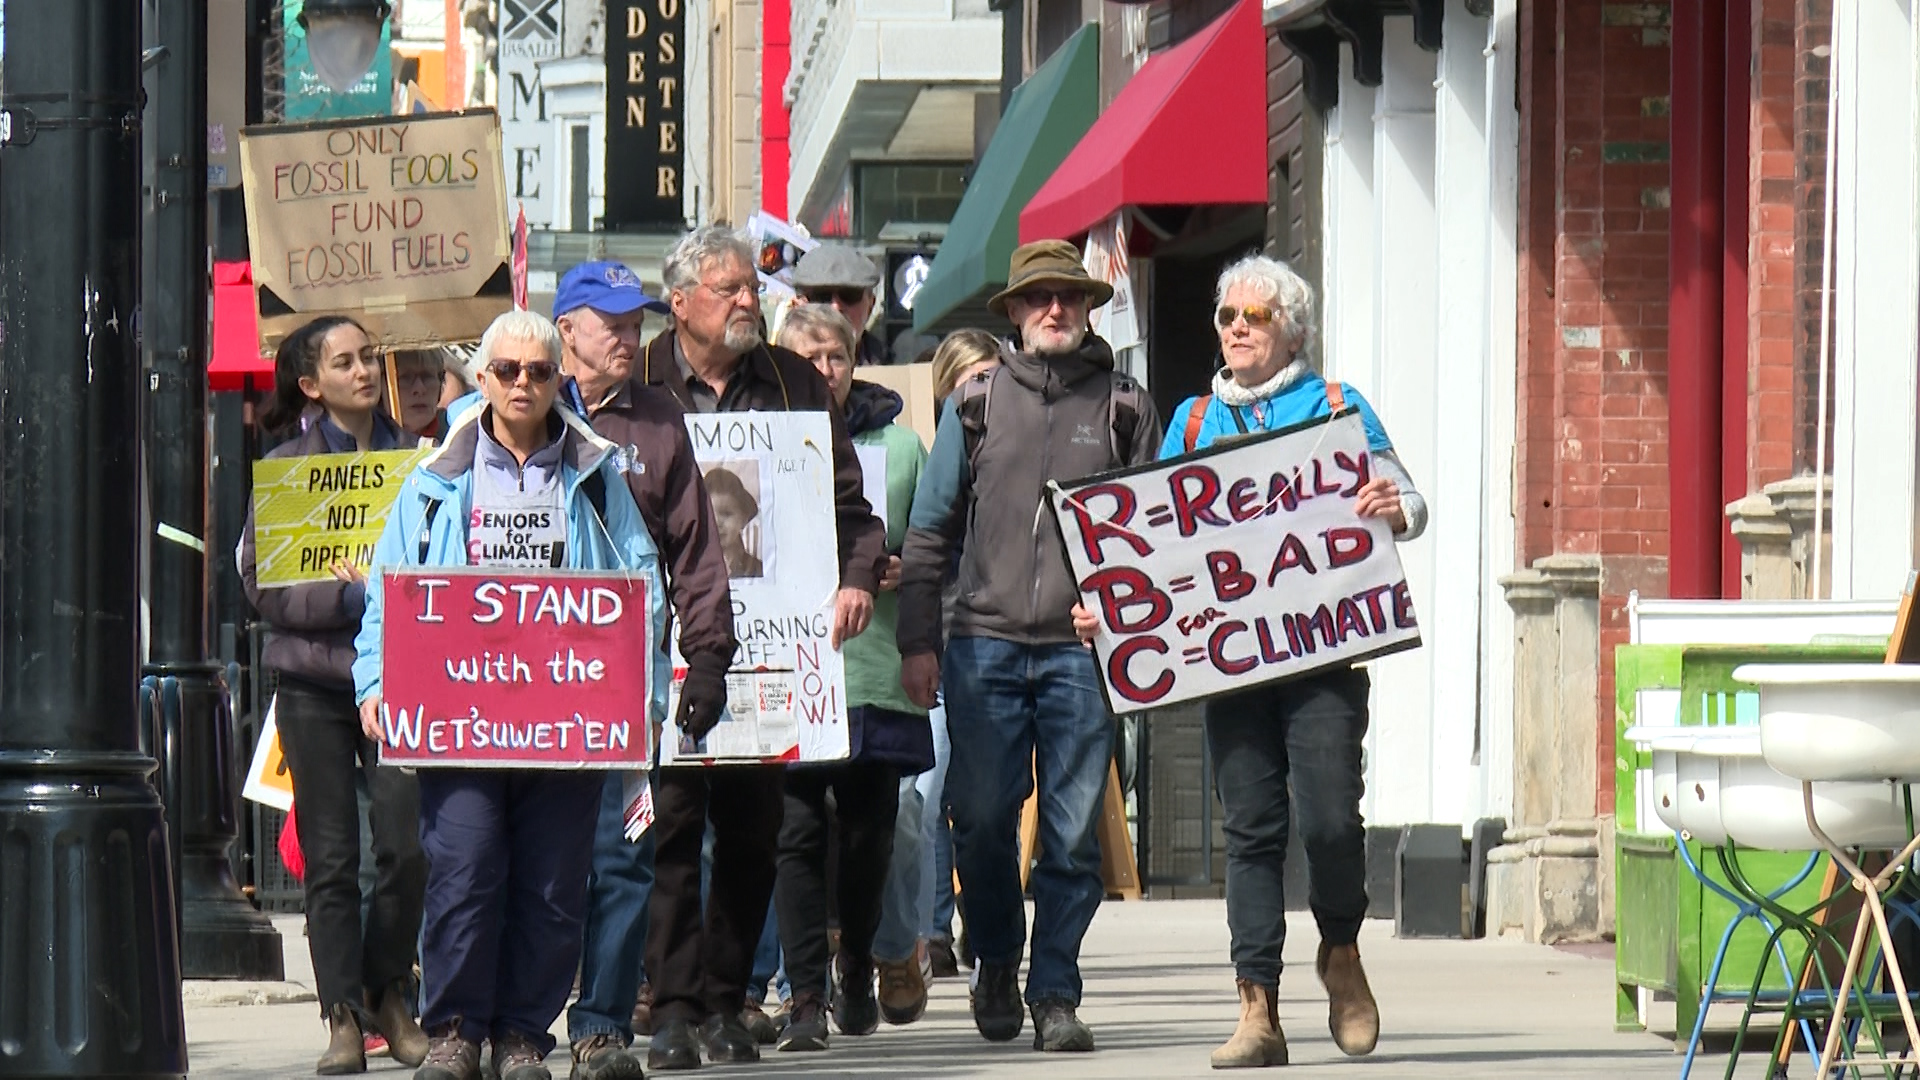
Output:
x,y
1048,262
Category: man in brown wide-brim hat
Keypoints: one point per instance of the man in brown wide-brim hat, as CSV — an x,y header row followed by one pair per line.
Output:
x,y
1018,683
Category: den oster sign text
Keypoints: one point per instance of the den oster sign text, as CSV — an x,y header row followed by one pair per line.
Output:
x,y
645,110
1241,564
487,669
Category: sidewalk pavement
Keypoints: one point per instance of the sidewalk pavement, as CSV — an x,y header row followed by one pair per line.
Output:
x,y
1159,996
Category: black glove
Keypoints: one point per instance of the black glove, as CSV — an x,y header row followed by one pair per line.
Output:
x,y
703,696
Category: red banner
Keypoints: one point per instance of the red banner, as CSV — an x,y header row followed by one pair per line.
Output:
x,y
489,669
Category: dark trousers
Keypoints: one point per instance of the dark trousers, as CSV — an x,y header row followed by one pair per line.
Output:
x,y
508,855
1306,734
866,799
698,962
320,736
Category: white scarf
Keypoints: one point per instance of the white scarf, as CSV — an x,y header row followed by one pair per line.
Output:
x,y
1236,395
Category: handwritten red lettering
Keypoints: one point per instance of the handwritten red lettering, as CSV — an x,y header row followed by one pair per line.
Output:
x,y
1094,532
1346,545
1120,588
1120,677
1230,582
1194,488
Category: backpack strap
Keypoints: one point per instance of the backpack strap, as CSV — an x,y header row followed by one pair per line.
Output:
x,y
426,528
1336,396
595,487
1197,416
1123,416
971,401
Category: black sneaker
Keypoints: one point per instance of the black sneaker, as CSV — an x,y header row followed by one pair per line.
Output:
x,y
1057,1029
673,1046
806,1024
605,1057
727,1040
997,1009
855,1010
758,1024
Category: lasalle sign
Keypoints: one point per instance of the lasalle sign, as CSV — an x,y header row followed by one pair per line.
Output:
x,y
1241,564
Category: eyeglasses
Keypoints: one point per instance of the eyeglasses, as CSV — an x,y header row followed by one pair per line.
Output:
x,y
744,291
1046,298
1256,315
420,380
539,372
846,297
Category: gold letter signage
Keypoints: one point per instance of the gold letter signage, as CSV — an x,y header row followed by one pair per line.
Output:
x,y
645,159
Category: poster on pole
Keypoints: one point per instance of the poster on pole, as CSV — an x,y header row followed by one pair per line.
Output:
x,y
1118,321
309,511
398,222
1240,564
769,476
492,668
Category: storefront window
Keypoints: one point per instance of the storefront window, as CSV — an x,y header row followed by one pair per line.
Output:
x,y
903,193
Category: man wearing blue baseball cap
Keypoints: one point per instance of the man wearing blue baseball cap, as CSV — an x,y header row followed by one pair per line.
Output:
x,y
599,308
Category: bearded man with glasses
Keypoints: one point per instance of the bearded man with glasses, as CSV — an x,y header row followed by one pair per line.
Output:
x,y
699,961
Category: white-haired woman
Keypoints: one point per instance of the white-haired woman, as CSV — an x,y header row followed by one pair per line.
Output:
x,y
1306,733
508,850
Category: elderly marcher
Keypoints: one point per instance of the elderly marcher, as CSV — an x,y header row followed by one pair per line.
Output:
x,y
599,309
838,276
700,956
1307,733
889,738
508,850
1021,692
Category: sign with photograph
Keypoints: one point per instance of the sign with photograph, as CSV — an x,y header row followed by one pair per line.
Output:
x,y
1240,564
399,222
309,511
488,668
770,479
646,108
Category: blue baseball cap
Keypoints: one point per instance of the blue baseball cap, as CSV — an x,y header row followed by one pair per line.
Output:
x,y
603,286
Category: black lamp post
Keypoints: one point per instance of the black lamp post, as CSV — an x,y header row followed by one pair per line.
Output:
x,y
343,37
89,967
221,935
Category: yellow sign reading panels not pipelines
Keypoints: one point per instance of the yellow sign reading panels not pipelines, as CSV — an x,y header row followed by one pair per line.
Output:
x,y
310,511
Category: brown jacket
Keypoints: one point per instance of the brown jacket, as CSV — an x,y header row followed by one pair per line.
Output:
x,y
656,457
310,626
772,379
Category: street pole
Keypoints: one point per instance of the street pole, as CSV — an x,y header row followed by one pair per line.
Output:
x,y
221,935
89,966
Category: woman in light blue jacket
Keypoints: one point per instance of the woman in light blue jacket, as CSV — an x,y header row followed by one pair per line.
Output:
x,y
508,850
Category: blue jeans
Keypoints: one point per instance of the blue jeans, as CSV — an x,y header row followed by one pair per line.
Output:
x,y
919,844
769,967
1015,711
612,960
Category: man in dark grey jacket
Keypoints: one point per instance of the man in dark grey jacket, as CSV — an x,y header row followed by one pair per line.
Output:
x,y
1021,692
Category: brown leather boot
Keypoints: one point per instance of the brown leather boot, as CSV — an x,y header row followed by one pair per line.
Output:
x,y
1258,1041
389,1015
1352,1016
346,1052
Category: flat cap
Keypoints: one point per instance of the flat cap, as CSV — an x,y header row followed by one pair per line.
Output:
x,y
835,266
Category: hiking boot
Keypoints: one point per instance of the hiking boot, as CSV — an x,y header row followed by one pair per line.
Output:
x,y
1258,1041
940,955
727,1040
516,1057
806,1024
674,1046
903,987
758,1024
1056,1028
855,1012
450,1057
995,997
642,1022
346,1047
392,1016
1352,1016
604,1057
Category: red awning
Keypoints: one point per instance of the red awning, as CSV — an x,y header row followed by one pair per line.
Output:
x,y
1189,129
236,332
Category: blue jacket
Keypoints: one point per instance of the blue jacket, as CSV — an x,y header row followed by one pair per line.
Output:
x,y
1305,398
616,541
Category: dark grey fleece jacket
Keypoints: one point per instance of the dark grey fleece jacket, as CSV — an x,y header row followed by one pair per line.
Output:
x,y
1046,419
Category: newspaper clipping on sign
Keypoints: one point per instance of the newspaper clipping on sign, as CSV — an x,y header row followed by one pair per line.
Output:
x,y
769,476
1241,564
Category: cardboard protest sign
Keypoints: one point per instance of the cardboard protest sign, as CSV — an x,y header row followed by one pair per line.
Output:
x,y
914,384
269,781
399,222
309,511
489,668
1241,564
770,479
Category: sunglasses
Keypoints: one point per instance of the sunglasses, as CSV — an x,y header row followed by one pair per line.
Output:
x,y
539,372
1045,298
1256,315
846,297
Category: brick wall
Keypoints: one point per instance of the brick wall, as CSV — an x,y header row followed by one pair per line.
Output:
x,y
1773,198
1594,196
1812,29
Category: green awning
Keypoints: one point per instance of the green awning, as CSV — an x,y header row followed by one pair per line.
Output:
x,y
1044,122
